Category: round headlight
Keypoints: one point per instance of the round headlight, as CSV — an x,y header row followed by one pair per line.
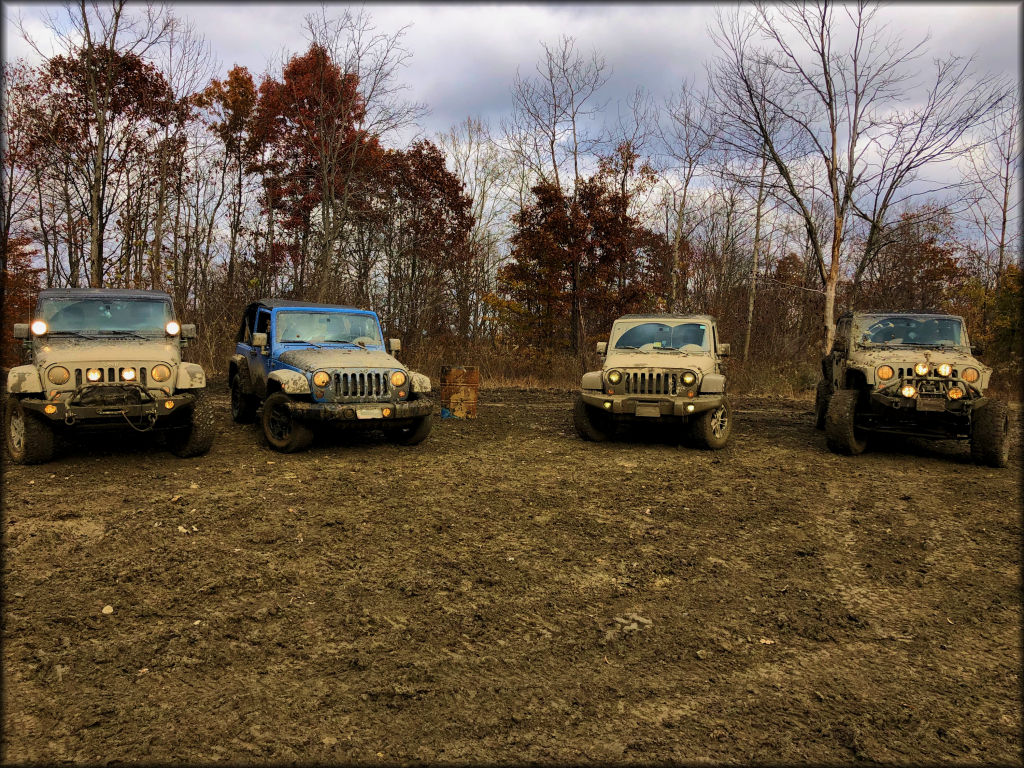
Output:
x,y
320,378
886,372
397,378
58,374
944,369
160,372
908,391
971,375
94,374
172,328
921,369
688,378
955,393
38,327
614,377
128,374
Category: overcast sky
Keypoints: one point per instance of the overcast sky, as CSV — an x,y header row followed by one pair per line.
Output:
x,y
464,56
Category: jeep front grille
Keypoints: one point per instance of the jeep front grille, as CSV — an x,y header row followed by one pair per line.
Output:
x,y
366,385
650,383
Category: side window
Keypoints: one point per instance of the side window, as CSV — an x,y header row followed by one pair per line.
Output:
x,y
245,331
263,322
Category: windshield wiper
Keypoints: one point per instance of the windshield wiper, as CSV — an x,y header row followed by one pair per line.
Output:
x,y
360,344
625,346
300,341
136,334
72,333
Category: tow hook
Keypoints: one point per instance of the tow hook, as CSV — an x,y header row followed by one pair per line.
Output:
x,y
69,418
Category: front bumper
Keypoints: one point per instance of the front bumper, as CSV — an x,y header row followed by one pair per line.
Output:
x,y
110,405
922,416
361,412
652,406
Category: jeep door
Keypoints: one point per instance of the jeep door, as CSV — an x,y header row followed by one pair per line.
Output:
x,y
259,363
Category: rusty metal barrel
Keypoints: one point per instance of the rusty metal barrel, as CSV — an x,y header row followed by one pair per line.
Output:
x,y
460,388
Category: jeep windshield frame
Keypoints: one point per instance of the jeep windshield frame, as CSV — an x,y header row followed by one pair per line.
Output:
x,y
327,328
105,317
683,336
909,330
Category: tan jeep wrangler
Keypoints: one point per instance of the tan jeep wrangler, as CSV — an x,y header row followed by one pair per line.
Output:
x,y
908,373
104,357
658,368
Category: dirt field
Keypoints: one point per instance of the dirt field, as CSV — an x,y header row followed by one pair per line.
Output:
x,y
507,593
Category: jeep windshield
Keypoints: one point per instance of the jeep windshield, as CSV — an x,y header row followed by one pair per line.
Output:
x,y
908,330
327,328
105,317
653,336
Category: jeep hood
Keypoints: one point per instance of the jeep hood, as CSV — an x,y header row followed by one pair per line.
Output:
x,y
315,359
74,350
660,361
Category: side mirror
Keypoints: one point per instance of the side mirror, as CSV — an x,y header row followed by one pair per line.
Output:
x,y
21,330
724,350
259,339
394,345
976,349
602,347
188,331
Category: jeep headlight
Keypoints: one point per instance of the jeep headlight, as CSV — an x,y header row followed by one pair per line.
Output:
x,y
321,378
970,375
398,378
944,369
94,374
160,372
614,377
58,374
689,378
921,369
885,372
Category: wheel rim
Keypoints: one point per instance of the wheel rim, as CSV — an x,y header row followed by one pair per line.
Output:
x,y
719,421
279,422
17,430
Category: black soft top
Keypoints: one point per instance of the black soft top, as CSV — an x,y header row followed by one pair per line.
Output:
x,y
113,293
276,303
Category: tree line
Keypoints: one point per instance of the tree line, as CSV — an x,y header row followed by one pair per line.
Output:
x,y
819,163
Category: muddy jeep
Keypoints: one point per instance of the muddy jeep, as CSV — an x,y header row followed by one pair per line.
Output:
x,y
908,374
105,358
297,365
658,368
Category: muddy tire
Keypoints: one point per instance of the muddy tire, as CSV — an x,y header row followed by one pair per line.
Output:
x,y
415,433
243,406
990,434
711,429
821,398
30,440
195,437
841,435
590,423
282,430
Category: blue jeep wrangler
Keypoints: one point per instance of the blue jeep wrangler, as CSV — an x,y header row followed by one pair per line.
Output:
x,y
309,363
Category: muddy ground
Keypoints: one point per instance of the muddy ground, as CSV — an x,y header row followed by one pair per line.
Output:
x,y
507,593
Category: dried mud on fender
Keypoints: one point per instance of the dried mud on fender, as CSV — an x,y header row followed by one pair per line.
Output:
x,y
508,591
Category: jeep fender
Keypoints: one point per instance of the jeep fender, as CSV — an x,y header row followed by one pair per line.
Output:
x,y
419,383
713,383
289,382
592,380
190,376
24,379
237,363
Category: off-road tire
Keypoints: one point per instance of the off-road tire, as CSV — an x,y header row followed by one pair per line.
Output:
x,y
821,398
841,435
243,406
590,423
711,429
30,440
415,433
990,438
282,430
195,437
